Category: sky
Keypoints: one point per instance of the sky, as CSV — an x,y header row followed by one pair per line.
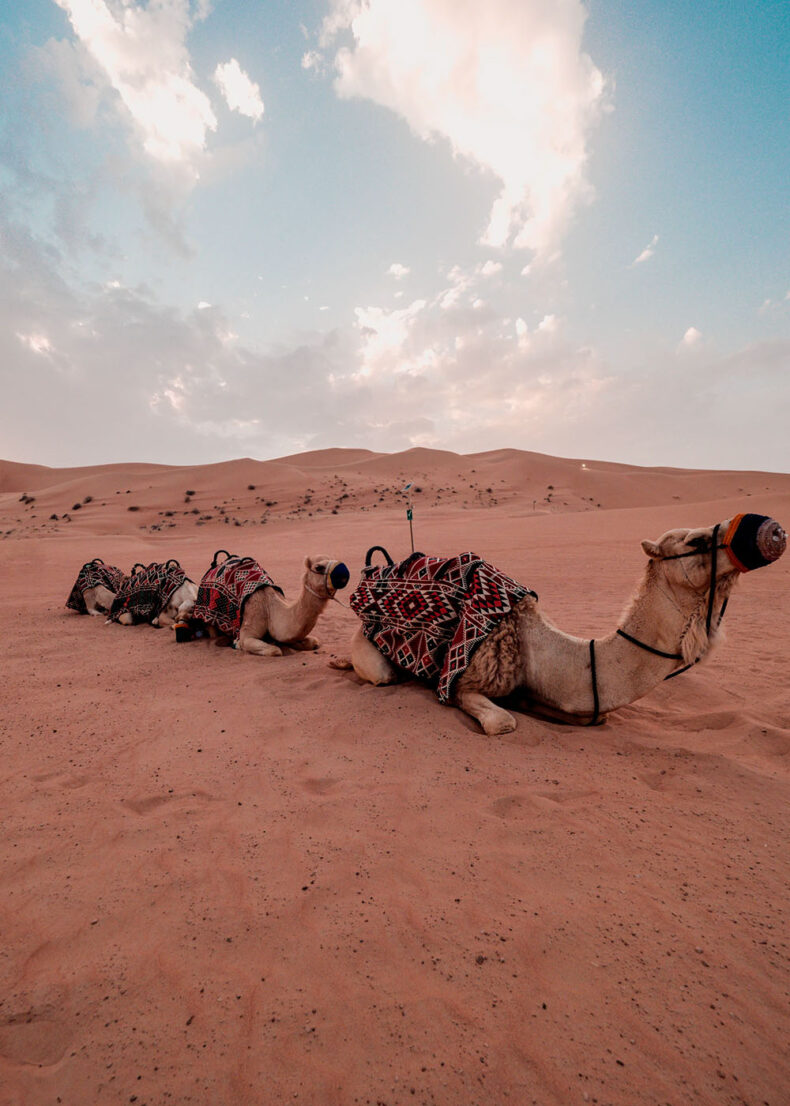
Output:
x,y
254,229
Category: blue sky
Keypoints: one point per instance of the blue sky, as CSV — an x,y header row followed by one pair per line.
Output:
x,y
231,229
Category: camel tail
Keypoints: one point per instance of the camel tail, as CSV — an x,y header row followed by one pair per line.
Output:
x,y
340,662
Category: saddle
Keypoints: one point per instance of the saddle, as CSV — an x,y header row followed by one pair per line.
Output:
x,y
225,589
428,615
94,574
147,590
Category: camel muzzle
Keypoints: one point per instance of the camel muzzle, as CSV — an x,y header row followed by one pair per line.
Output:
x,y
753,541
338,576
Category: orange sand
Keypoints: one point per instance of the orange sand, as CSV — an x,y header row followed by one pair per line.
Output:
x,y
230,880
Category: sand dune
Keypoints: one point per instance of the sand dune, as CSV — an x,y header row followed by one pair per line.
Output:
x,y
230,880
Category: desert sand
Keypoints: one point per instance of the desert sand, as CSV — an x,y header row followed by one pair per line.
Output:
x,y
232,880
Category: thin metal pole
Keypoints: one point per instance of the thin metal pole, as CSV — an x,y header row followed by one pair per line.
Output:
x,y
409,514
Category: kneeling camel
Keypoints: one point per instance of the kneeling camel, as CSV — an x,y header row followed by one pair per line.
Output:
x,y
501,644
238,600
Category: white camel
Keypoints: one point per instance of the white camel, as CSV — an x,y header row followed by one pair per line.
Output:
x,y
238,600
672,620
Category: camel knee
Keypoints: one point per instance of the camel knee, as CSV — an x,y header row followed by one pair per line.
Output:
x,y
369,664
259,648
493,719
125,619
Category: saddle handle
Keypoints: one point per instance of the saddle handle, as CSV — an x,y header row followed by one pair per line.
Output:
x,y
135,567
172,563
227,556
377,549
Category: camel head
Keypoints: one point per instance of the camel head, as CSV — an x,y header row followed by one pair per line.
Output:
x,y
707,561
743,543
324,576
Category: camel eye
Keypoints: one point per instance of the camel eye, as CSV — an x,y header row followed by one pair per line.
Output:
x,y
319,568
699,543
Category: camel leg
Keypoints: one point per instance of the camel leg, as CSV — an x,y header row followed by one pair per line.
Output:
x,y
492,718
249,644
125,619
369,664
304,643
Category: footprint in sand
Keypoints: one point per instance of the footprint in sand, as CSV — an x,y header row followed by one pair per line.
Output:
x,y
320,785
64,780
33,1037
510,804
710,720
150,803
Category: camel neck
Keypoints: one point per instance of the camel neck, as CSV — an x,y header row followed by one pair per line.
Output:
x,y
558,666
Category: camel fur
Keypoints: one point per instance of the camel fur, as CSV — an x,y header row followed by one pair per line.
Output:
x,y
548,672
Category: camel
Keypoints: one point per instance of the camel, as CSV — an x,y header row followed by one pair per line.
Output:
x,y
238,601
160,594
671,622
95,588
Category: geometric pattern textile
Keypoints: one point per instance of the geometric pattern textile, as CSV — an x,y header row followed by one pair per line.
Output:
x,y
146,592
225,589
93,574
429,614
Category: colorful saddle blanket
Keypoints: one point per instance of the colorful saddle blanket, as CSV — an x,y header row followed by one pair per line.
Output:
x,y
225,589
147,592
429,614
93,574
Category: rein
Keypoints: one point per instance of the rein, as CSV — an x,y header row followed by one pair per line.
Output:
x,y
660,652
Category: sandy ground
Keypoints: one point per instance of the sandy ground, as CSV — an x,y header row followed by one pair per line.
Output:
x,y
230,880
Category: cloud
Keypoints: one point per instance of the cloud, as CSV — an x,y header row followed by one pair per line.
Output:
x,y
438,372
241,94
506,83
691,339
646,253
142,54
398,271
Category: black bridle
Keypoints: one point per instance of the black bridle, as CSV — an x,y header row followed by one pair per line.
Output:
x,y
715,546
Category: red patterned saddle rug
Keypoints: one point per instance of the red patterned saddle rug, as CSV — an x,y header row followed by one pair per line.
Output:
x,y
147,591
93,574
225,589
429,614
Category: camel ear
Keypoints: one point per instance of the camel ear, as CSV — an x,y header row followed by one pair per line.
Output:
x,y
307,562
651,549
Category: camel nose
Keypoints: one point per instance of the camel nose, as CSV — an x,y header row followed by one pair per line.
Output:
x,y
771,540
339,576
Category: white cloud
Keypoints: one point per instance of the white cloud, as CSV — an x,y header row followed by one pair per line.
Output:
x,y
691,338
241,94
431,373
490,268
37,343
646,253
142,53
505,83
398,271
312,60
